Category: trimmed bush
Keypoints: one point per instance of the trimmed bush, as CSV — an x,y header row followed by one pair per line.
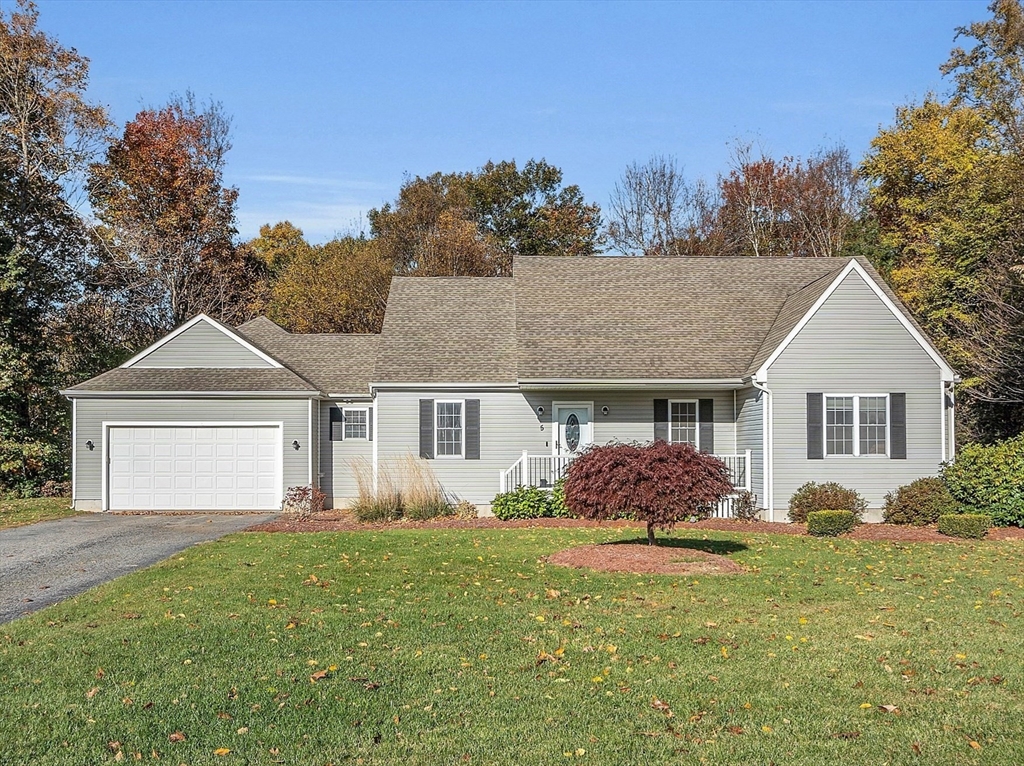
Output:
x,y
522,503
557,507
659,483
825,497
919,503
973,526
990,480
830,523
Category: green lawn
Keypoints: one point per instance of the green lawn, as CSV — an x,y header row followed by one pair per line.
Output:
x,y
15,513
452,647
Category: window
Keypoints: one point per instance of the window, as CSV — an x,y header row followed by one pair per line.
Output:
x,y
683,423
349,424
355,424
448,429
856,425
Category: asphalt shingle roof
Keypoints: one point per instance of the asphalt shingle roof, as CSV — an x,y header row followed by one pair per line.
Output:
x,y
195,379
448,330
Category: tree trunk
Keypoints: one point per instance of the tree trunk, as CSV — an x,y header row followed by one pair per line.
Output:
x,y
650,534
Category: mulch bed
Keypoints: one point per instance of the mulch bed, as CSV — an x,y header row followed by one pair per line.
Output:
x,y
644,559
332,521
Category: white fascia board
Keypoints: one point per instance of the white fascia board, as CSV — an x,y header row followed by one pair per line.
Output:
x,y
649,383
213,323
853,266
431,386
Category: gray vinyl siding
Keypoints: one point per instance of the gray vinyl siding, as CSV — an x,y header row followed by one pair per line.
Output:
x,y
92,413
339,460
750,436
853,345
202,345
510,424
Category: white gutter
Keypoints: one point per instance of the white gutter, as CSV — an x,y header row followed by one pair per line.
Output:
x,y
75,394
767,447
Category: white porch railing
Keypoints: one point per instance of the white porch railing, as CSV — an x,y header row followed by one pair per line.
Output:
x,y
544,470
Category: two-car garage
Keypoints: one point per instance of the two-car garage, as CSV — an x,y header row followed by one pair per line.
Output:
x,y
193,467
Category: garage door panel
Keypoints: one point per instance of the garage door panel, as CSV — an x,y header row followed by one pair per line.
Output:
x,y
201,468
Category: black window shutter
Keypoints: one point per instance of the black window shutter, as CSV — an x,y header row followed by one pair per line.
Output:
x,y
427,428
661,420
815,427
369,424
706,424
472,429
898,432
337,424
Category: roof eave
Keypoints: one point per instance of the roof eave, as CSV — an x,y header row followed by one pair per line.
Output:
x,y
72,393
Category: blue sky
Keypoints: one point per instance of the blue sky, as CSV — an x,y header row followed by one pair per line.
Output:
x,y
333,103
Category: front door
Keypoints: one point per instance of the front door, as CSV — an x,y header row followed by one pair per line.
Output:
x,y
575,431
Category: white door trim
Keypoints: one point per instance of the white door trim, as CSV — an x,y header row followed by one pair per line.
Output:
x,y
588,406
106,425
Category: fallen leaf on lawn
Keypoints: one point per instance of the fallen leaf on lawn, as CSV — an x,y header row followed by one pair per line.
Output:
x,y
661,705
725,653
889,709
371,685
114,746
865,705
974,744
176,737
222,751
868,637
319,676
552,593
543,657
92,692
916,747
846,735
243,730
766,729
224,716
735,730
100,672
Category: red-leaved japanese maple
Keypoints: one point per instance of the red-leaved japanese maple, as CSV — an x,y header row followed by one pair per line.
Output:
x,y
658,483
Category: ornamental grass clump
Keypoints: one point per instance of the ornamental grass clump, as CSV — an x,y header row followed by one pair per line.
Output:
x,y
660,484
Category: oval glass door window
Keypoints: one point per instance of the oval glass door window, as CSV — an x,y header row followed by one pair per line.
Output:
x,y
572,432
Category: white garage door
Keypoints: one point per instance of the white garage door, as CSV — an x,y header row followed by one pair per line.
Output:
x,y
194,468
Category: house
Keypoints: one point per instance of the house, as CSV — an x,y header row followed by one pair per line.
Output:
x,y
792,370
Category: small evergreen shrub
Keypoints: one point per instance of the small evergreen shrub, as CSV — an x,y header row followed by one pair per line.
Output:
x,y
522,503
990,479
919,503
973,526
745,507
824,497
557,507
830,523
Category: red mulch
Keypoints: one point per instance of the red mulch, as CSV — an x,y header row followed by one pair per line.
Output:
x,y
333,521
644,559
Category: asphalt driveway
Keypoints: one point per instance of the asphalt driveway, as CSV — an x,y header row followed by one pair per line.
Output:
x,y
41,564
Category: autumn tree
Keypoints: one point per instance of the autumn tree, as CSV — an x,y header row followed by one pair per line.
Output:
x,y
167,220
660,484
341,286
48,132
655,210
473,224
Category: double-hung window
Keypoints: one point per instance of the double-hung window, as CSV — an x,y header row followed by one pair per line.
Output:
x,y
449,431
683,423
349,423
857,424
355,424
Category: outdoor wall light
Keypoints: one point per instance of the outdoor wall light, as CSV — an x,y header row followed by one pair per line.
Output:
x,y
295,444
90,445
604,411
540,410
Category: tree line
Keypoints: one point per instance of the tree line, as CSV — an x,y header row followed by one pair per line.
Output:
x,y
111,236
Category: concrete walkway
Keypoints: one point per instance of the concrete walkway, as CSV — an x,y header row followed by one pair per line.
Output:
x,y
41,564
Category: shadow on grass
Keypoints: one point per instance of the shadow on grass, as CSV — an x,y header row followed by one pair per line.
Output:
x,y
718,547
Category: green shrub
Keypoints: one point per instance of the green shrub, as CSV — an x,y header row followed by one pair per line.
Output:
x,y
830,523
824,497
557,507
990,480
919,503
970,525
522,503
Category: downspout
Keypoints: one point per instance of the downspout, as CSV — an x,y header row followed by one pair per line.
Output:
x,y
768,447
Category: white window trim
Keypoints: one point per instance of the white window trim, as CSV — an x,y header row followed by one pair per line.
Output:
x,y
696,405
856,424
344,421
462,430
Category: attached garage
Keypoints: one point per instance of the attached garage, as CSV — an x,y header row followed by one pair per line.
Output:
x,y
185,466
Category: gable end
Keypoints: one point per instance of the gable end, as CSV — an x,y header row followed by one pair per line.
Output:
x,y
202,343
